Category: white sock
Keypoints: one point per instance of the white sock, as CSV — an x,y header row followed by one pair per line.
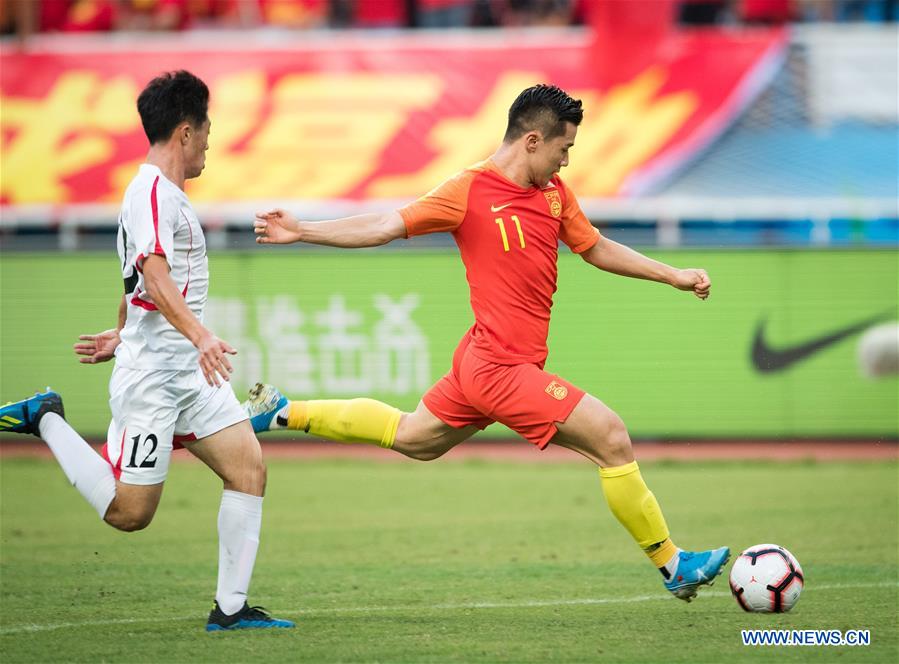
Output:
x,y
87,471
671,566
240,519
279,421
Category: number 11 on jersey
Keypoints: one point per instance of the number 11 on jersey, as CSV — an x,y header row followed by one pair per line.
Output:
x,y
502,231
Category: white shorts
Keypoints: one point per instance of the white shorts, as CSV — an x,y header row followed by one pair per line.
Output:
x,y
155,410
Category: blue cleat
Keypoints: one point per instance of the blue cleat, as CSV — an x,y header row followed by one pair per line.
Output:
x,y
249,617
696,569
264,403
24,416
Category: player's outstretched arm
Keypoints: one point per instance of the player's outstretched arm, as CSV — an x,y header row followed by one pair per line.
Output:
x,y
613,257
168,299
364,230
100,347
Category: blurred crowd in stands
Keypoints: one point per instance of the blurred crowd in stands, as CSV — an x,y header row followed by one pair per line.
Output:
x,y
30,16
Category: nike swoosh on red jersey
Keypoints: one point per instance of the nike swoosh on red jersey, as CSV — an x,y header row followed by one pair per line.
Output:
x,y
494,208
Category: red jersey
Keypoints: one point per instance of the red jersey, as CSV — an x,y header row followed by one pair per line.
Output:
x,y
508,237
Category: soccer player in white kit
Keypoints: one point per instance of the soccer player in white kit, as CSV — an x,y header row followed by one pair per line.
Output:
x,y
170,381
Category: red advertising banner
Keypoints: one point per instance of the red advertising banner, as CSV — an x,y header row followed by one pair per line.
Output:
x,y
384,117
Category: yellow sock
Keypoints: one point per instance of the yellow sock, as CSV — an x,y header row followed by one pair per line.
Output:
x,y
637,510
346,420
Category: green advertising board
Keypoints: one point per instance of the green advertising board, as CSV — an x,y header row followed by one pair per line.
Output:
x,y
385,323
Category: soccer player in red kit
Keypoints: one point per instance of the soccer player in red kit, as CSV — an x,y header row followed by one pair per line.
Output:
x,y
507,215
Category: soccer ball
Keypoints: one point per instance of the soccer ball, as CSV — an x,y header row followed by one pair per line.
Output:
x,y
878,351
766,578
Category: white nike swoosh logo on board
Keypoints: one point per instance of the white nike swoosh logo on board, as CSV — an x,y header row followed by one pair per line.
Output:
x,y
494,208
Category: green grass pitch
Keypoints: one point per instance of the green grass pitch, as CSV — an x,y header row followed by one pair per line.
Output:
x,y
465,561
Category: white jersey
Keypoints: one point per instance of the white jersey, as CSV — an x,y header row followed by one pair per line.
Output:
x,y
157,218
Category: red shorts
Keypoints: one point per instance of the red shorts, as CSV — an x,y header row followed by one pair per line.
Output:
x,y
525,398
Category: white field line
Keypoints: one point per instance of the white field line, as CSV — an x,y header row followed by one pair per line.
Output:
x,y
461,606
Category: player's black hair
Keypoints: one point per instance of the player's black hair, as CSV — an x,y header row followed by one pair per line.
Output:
x,y
543,107
170,99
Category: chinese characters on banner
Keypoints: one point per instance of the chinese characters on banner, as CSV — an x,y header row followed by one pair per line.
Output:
x,y
331,350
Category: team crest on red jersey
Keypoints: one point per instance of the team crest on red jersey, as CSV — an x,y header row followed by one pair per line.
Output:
x,y
555,202
556,391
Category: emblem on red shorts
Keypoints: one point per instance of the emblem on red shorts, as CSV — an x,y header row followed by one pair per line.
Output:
x,y
555,204
557,391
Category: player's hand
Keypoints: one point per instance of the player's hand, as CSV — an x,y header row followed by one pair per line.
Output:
x,y
693,279
276,227
98,347
214,360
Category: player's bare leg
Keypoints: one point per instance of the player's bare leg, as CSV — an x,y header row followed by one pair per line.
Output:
x,y
597,432
134,506
418,435
422,435
235,456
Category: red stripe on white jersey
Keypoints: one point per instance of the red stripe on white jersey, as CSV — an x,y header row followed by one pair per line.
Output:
x,y
117,468
190,249
104,452
143,304
178,441
155,207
